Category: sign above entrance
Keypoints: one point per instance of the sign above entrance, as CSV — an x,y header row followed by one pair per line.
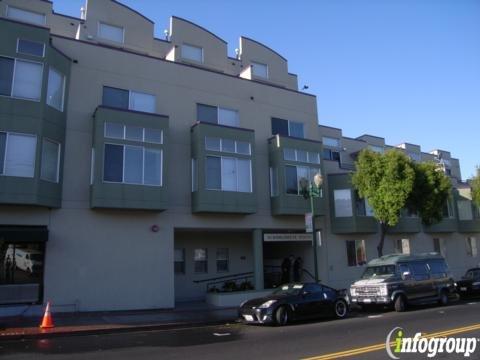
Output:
x,y
287,237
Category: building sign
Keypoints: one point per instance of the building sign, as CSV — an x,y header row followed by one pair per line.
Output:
x,y
287,237
308,223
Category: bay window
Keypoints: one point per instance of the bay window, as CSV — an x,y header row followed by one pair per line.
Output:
x,y
55,89
50,164
228,174
343,202
293,175
17,154
21,79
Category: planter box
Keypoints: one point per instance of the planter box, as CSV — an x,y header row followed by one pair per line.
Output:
x,y
232,299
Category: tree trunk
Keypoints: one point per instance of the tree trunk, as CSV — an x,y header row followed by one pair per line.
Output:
x,y
383,232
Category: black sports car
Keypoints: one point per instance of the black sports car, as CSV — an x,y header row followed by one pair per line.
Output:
x,y
470,283
294,302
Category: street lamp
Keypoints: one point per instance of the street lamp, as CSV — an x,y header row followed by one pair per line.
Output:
x,y
312,190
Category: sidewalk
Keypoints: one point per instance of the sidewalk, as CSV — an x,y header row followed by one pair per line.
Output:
x,y
86,323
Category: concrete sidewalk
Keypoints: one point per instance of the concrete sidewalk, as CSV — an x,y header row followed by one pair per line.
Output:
x,y
86,323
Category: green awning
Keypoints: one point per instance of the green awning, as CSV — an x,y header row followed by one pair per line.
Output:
x,y
23,234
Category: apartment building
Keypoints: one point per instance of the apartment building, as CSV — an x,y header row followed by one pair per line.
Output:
x,y
137,172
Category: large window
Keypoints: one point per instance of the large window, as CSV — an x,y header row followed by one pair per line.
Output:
x,y
222,260
259,70
128,100
28,47
343,202
362,206
56,89
111,32
20,79
133,165
200,259
227,145
228,174
465,210
191,52
293,175
26,15
133,133
329,141
217,115
287,128
312,157
471,244
448,210
329,154
17,154
356,254
50,165
179,261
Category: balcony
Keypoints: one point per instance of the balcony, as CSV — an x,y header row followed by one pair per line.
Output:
x,y
468,217
223,169
348,214
407,225
118,180
291,159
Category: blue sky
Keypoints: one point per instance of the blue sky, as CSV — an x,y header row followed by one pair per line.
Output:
x,y
407,70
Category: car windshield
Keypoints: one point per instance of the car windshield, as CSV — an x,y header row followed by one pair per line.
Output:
x,y
288,289
378,271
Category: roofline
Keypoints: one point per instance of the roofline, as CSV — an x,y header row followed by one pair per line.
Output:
x,y
176,63
265,46
25,23
330,127
378,137
200,27
59,51
133,10
162,40
67,16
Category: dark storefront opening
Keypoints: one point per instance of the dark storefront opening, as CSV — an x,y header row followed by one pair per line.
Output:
x,y
22,255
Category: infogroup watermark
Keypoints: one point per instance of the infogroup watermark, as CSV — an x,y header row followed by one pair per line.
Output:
x,y
431,346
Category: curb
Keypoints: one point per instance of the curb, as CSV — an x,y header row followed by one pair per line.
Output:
x,y
19,335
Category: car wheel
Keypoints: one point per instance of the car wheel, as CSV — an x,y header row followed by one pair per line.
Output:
x,y
282,316
400,303
341,309
443,300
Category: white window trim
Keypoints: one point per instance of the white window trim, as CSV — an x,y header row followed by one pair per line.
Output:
x,y
57,178
112,25
236,173
308,156
6,151
189,59
62,107
13,78
123,166
226,151
30,11
37,42
124,136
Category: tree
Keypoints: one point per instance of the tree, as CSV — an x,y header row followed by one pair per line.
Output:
x,y
386,181
475,184
431,191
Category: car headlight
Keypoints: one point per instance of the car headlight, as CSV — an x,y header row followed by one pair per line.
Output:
x,y
353,291
383,291
267,304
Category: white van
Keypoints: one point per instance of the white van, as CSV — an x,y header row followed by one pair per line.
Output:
x,y
26,259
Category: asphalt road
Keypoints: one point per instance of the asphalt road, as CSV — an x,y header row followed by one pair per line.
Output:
x,y
362,333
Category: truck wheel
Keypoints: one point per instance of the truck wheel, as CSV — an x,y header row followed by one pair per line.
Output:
x,y
443,300
400,303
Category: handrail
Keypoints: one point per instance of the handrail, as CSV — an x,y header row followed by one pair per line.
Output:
x,y
223,277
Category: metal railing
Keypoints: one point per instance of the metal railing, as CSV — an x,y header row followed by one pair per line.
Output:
x,y
243,278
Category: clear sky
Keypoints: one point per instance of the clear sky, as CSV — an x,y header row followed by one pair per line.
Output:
x,y
407,70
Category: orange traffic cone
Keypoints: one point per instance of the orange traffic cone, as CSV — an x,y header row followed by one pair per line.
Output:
x,y
47,321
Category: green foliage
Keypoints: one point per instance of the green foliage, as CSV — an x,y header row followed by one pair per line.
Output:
x,y
475,183
430,192
386,181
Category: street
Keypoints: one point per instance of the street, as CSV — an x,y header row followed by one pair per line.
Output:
x,y
332,338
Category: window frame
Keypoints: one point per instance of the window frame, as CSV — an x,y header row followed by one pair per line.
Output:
x,y
288,126
472,251
32,41
236,173
124,136
129,99
8,7
8,133
202,52
227,260
351,203
254,64
400,246
203,261
310,168
357,243
59,152
183,262
338,142
15,60
218,108
64,81
225,151
99,23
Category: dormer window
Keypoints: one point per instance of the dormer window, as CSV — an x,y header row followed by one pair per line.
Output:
x,y
259,70
26,16
191,52
111,32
